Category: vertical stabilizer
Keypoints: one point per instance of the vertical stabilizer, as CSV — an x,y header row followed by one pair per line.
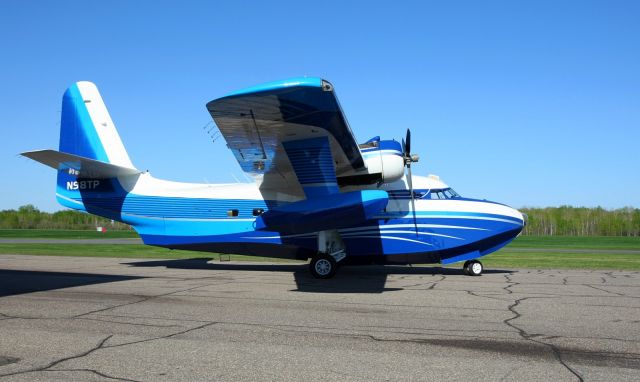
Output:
x,y
86,129
88,133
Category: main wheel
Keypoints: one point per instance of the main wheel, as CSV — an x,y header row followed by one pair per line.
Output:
x,y
323,266
473,268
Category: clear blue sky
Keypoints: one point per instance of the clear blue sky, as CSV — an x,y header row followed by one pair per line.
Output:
x,y
530,103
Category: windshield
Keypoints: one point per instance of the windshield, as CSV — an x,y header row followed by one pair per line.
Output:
x,y
446,193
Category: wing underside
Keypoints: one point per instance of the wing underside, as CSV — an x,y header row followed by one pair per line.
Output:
x,y
276,129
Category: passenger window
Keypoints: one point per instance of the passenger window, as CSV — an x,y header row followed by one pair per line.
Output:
x,y
232,213
258,211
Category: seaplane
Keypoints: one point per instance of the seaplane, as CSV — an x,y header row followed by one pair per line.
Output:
x,y
316,194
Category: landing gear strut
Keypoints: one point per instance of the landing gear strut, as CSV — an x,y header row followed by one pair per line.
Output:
x,y
331,250
472,268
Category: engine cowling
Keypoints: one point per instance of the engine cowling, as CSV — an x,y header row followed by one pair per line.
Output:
x,y
388,163
384,160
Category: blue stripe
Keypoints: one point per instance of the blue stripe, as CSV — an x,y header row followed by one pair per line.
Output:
x,y
78,134
281,84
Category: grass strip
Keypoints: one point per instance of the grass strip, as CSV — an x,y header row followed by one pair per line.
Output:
x,y
576,242
63,234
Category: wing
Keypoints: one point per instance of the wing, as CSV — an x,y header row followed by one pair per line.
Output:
x,y
288,135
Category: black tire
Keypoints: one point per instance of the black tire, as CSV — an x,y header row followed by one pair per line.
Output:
x,y
474,268
465,268
323,266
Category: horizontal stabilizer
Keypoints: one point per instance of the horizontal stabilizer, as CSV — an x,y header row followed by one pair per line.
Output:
x,y
79,166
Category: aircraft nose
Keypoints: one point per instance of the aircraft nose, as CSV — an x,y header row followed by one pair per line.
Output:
x,y
517,220
522,216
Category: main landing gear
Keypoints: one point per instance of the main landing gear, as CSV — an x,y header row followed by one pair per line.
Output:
x,y
331,250
323,266
472,268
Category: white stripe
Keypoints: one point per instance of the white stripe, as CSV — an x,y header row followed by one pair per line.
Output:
x,y
378,152
392,226
69,199
409,215
407,232
477,218
281,237
104,125
227,220
392,238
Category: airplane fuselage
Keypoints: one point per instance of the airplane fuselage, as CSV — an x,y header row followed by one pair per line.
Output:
x,y
221,218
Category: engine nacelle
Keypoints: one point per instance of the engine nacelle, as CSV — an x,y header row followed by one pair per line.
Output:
x,y
384,161
389,164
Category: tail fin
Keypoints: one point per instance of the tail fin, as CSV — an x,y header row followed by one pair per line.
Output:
x,y
95,173
86,129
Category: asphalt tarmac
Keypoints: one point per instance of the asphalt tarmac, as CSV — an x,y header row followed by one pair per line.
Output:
x,y
86,319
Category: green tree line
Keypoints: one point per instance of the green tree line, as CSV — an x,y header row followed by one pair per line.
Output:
x,y
29,217
564,221
582,221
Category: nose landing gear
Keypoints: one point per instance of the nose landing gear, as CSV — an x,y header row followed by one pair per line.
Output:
x,y
472,268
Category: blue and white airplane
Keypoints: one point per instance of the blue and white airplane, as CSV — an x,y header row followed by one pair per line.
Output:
x,y
317,194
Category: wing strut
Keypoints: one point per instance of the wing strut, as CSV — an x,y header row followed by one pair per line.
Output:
x,y
253,118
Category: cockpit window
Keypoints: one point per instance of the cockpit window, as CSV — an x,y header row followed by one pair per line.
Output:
x,y
446,193
434,193
450,193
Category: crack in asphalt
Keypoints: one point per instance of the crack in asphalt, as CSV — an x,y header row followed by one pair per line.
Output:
x,y
126,323
162,337
96,372
604,290
101,346
59,361
430,287
138,301
531,337
526,336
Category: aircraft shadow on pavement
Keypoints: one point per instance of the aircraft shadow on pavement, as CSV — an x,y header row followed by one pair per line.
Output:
x,y
349,279
13,282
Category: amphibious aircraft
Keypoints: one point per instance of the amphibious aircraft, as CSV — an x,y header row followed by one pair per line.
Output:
x,y
317,193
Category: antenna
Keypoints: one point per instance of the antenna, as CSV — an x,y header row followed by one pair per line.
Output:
x,y
212,131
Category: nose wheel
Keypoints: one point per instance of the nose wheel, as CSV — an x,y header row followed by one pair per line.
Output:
x,y
472,268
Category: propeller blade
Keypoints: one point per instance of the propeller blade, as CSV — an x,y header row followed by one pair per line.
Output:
x,y
413,202
407,147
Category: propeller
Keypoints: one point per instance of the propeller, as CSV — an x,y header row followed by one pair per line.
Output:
x,y
408,159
